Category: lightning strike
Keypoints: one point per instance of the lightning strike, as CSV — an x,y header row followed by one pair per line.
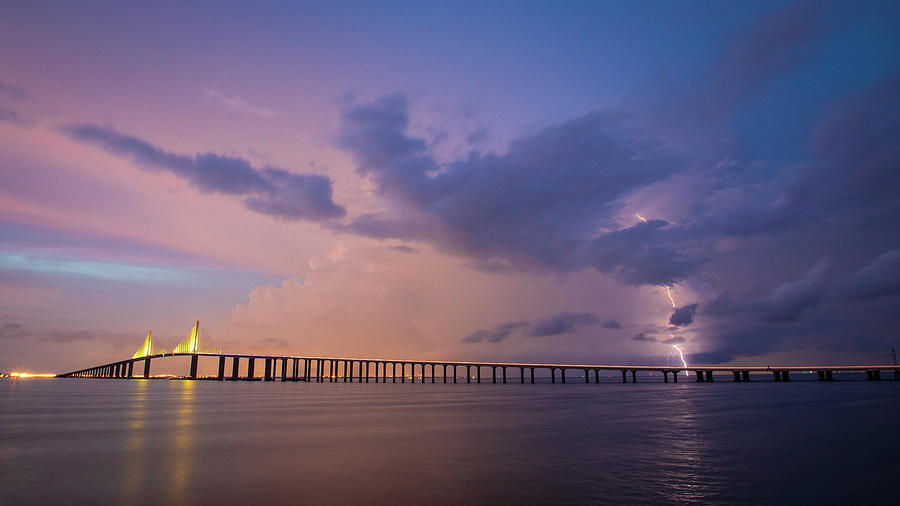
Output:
x,y
641,217
669,293
674,349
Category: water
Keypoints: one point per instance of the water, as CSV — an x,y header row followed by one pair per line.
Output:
x,y
180,442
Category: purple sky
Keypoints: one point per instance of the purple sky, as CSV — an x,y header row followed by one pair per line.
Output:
x,y
523,181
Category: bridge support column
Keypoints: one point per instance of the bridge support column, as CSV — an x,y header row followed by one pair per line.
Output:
x,y
562,372
194,359
478,372
504,375
552,375
296,370
624,376
785,375
445,372
221,375
432,372
776,375
454,373
829,376
532,374
634,376
251,365
146,367
709,376
596,376
745,376
821,375
468,374
699,376
284,369
270,367
665,376
675,376
131,369
737,376
494,373
235,363
587,375
348,373
522,374
403,372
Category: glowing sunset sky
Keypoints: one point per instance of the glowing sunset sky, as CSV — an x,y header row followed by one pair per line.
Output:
x,y
512,181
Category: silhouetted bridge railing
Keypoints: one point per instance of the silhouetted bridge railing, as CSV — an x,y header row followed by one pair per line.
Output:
x,y
333,369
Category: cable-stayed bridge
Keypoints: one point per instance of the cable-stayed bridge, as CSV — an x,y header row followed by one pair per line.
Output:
x,y
335,369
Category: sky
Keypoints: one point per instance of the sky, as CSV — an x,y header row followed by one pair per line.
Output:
x,y
574,182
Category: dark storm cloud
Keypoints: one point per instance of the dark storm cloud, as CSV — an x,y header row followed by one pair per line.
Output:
x,y
271,191
495,335
644,337
789,300
538,206
675,340
684,315
562,323
879,278
611,324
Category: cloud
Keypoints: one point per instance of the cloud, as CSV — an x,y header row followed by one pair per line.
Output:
x,y
272,191
790,300
684,315
12,92
879,278
675,340
403,249
562,323
611,324
536,207
236,103
496,334
644,337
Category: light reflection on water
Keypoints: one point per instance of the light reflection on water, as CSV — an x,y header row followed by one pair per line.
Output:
x,y
182,442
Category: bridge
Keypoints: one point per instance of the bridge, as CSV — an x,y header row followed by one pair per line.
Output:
x,y
336,369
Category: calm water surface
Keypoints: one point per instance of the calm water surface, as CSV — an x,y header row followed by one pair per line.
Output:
x,y
67,441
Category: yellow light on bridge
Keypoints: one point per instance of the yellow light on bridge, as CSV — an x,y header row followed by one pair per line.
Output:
x,y
30,375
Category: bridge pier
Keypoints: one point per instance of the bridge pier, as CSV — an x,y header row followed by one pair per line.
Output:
x,y
587,375
444,368
504,374
821,375
699,376
194,360
624,376
562,373
675,376
493,374
221,375
146,368
552,375
269,368
737,376
532,374
468,374
709,376
745,376
402,372
478,372
633,376
284,369
432,372
665,376
131,369
829,376
596,376
251,365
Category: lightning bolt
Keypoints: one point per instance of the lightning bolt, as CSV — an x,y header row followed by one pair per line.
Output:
x,y
641,218
669,293
680,356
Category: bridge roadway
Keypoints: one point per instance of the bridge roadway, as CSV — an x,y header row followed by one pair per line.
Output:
x,y
313,369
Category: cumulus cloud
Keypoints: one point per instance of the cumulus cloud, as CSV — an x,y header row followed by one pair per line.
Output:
x,y
611,324
644,337
496,334
684,315
562,323
272,191
537,206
